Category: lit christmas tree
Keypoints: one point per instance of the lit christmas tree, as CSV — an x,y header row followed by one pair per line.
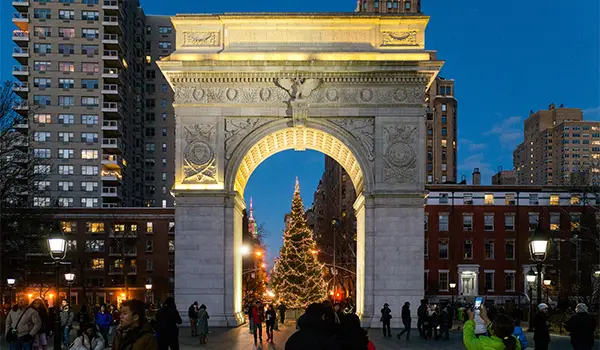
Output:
x,y
297,276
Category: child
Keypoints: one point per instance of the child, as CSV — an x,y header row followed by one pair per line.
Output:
x,y
518,333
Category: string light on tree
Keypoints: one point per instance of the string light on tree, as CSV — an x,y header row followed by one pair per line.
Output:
x,y
297,274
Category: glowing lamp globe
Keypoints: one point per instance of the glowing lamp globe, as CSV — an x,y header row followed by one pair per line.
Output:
x,y
57,245
148,287
538,246
245,250
452,285
547,283
69,277
530,276
10,282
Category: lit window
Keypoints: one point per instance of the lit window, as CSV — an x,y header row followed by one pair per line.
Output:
x,y
171,245
489,199
554,221
575,221
94,227
510,199
68,226
554,199
575,199
149,226
97,264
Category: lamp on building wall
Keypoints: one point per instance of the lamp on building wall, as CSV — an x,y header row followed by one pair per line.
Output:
x,y
452,286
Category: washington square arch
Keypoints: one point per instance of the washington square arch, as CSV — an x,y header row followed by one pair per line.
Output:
x,y
349,85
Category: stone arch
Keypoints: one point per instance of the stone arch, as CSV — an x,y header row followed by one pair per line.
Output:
x,y
322,136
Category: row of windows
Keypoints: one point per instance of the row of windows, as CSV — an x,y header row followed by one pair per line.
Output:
x,y
509,199
66,14
98,246
488,250
65,153
390,4
99,227
44,136
66,49
85,2
85,186
97,264
46,66
509,221
66,101
488,281
46,118
66,83
66,32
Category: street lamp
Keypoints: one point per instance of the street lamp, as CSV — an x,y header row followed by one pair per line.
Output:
x,y
538,246
245,250
547,284
57,245
597,274
70,278
11,283
148,293
452,285
530,278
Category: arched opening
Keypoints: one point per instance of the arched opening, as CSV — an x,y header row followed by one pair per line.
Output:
x,y
323,137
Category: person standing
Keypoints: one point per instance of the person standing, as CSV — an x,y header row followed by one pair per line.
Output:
x,y
103,321
501,333
541,332
270,318
282,309
581,327
135,333
40,341
167,320
203,323
445,322
88,339
66,323
22,324
406,320
422,315
258,315
250,322
114,323
386,317
193,315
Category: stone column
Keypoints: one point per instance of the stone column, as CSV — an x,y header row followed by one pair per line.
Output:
x,y
204,254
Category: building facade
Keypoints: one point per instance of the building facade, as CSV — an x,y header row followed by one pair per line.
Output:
x,y
114,253
477,237
557,144
84,71
389,6
505,177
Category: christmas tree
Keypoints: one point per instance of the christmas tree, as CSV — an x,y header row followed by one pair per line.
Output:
x,y
297,276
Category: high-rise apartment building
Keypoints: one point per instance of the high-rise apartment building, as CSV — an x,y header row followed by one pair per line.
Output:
x,y
441,144
558,144
85,73
389,6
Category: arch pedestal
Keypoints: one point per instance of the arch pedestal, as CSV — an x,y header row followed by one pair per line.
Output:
x,y
247,87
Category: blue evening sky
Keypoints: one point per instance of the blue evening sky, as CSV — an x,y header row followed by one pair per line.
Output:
x,y
507,57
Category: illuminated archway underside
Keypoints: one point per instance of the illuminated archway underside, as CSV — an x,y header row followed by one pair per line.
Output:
x,y
299,139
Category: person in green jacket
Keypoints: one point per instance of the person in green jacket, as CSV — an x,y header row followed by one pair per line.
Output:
x,y
501,329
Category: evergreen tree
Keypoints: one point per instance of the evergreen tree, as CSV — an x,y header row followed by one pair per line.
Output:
x,y
297,274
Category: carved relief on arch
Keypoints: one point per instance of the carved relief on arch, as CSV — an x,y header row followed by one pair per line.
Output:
x,y
363,130
400,155
199,158
236,130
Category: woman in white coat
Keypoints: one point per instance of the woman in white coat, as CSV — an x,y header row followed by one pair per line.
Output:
x,y
88,339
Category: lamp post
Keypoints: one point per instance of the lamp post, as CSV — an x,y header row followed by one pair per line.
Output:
x,y
452,286
547,284
11,283
57,245
148,293
335,222
530,277
538,246
70,278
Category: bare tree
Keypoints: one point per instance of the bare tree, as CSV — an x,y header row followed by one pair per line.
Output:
x,y
123,241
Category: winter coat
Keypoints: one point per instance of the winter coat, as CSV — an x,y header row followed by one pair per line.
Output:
x,y
314,333
82,342
406,314
541,333
103,319
422,312
192,312
386,314
482,343
140,338
167,320
281,308
203,322
115,317
258,314
66,318
581,326
30,322
270,317
519,334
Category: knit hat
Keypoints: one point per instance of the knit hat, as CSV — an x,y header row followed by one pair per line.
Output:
x,y
581,307
542,306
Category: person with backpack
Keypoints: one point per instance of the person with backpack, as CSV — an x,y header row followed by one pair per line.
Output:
x,y
22,324
88,338
519,334
501,333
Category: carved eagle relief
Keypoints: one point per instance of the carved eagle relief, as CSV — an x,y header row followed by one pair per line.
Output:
x,y
299,88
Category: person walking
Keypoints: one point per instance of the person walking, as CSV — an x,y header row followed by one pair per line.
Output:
x,y
258,315
134,333
193,315
270,318
167,322
88,339
406,321
500,339
282,309
66,323
541,331
386,317
203,323
581,327
103,321
114,323
40,340
445,323
21,325
249,308
422,315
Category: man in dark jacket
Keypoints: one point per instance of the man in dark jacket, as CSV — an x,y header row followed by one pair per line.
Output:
x,y
581,326
406,320
167,320
193,315
541,333
422,318
135,332
386,317
445,323
315,332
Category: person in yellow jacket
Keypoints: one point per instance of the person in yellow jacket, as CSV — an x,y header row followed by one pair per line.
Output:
x,y
501,330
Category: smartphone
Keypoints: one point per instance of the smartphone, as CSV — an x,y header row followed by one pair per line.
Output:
x,y
478,302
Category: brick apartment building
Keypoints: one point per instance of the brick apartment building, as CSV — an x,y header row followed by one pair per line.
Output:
x,y
477,237
104,245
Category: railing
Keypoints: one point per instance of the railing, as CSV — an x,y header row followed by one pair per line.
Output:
x,y
113,37
115,269
21,105
110,87
21,33
21,50
110,190
23,69
20,85
110,142
110,19
114,71
112,173
110,123
109,158
110,53
112,3
110,105
20,15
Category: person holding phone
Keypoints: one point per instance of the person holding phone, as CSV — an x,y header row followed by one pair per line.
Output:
x,y
501,337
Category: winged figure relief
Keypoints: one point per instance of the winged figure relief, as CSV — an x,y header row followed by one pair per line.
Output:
x,y
299,88
400,38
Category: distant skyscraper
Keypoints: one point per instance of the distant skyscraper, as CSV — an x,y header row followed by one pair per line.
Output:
x,y
557,144
251,221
